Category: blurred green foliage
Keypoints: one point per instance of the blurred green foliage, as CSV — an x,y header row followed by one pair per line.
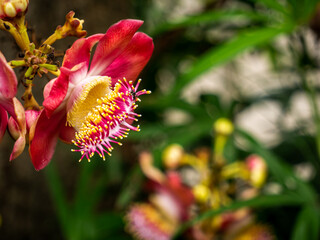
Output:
x,y
104,190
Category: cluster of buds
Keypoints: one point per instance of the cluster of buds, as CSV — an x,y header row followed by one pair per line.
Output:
x,y
13,8
89,107
211,182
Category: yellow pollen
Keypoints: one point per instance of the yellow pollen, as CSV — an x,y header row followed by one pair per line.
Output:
x,y
90,97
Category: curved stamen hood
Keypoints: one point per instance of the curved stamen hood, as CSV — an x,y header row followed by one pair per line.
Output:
x,y
83,101
101,114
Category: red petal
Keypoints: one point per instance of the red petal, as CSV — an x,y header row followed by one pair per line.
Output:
x,y
47,88
3,122
59,89
8,80
18,147
80,51
67,134
112,44
43,138
132,60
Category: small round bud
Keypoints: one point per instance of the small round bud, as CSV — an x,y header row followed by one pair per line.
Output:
x,y
9,10
172,156
13,8
201,193
223,126
257,169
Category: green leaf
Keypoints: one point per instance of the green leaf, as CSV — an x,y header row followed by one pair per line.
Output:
x,y
274,4
80,206
208,17
132,184
302,10
307,224
219,55
59,198
107,224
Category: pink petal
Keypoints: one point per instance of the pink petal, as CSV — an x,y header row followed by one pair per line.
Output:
x,y
80,51
13,128
112,44
67,134
19,115
16,110
59,89
20,118
43,138
77,73
8,80
132,60
31,118
47,88
3,122
18,147
61,86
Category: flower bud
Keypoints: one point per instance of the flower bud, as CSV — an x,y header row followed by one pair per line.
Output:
x,y
13,8
258,170
172,156
201,193
14,130
223,126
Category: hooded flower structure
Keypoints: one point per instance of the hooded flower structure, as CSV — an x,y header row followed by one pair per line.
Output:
x,y
92,103
167,208
10,104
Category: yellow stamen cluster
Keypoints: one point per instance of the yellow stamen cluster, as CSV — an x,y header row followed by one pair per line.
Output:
x,y
88,100
101,114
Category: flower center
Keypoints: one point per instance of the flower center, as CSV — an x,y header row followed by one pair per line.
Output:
x,y
88,100
102,114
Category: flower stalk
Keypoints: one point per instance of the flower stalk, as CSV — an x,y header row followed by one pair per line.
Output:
x,y
16,34
30,102
72,27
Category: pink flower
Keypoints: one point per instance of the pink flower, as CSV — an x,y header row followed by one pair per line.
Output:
x,y
92,103
173,197
146,222
169,206
10,104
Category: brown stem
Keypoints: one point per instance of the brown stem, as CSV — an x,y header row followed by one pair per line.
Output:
x,y
30,102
